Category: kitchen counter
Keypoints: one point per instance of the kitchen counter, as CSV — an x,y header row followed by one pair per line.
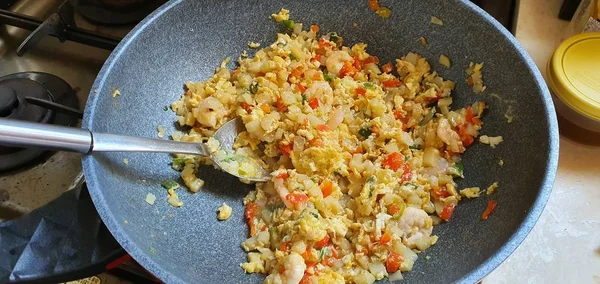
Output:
x,y
564,245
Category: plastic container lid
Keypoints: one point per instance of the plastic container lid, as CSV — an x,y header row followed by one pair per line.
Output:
x,y
573,74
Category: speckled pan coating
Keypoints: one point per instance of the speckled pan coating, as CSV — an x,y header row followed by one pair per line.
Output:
x,y
186,39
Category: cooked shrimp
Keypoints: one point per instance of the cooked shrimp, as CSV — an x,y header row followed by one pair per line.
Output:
x,y
449,136
319,89
416,224
209,111
294,268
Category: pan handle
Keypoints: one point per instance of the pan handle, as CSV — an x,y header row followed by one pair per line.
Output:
x,y
18,133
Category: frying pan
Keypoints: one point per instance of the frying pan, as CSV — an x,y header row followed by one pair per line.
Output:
x,y
185,40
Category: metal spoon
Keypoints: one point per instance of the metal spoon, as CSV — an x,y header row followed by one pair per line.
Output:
x,y
28,134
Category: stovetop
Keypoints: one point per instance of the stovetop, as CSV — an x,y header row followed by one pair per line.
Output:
x,y
46,178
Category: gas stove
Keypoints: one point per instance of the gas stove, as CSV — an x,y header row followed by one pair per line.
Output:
x,y
50,54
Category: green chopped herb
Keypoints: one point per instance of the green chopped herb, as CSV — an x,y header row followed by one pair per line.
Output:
x,y
406,158
315,215
369,85
414,186
166,108
402,206
170,184
457,170
274,206
365,132
289,24
180,160
152,250
427,117
304,99
371,179
415,147
328,77
292,57
334,37
254,88
321,253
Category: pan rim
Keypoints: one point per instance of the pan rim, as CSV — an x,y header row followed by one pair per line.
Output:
x,y
115,227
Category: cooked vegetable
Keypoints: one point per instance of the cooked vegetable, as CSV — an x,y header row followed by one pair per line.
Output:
x,y
435,20
170,184
384,12
490,208
444,60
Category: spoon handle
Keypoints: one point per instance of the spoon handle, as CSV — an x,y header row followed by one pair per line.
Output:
x,y
30,134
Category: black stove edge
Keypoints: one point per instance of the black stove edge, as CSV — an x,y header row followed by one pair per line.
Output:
x,y
62,241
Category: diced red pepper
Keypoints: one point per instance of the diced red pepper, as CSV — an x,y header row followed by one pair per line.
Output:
x,y
281,107
348,69
250,212
313,103
306,279
398,114
393,262
356,63
371,59
283,246
385,238
391,83
306,254
317,142
314,28
470,117
360,91
316,76
286,149
324,43
438,193
394,209
296,198
323,242
301,88
490,208
283,175
447,212
393,161
374,5
297,73
246,106
326,188
465,137
387,68
322,127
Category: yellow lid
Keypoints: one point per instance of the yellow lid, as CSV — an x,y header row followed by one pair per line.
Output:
x,y
573,73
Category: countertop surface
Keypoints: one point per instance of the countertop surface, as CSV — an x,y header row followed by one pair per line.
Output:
x,y
564,245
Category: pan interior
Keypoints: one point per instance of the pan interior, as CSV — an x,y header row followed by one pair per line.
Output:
x,y
186,40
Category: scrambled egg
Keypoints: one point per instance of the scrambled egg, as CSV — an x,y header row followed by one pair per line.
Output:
x,y
492,188
470,192
224,212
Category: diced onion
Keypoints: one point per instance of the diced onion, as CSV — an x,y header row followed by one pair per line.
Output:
x,y
396,276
